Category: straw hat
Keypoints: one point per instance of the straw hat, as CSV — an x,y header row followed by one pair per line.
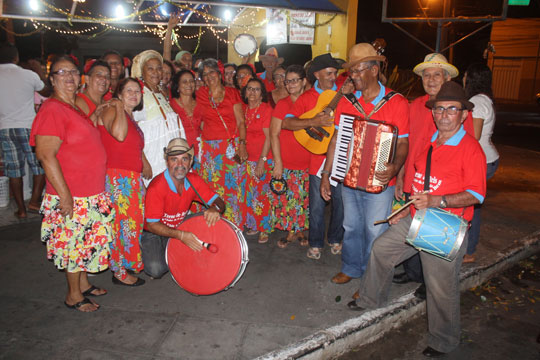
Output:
x,y
451,91
141,59
436,60
178,146
271,54
361,53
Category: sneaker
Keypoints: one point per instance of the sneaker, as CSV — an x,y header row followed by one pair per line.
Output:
x,y
314,253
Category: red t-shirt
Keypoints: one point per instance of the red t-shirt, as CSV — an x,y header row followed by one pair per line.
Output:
x,y
256,120
127,154
421,128
163,203
293,155
303,104
268,83
213,128
192,124
394,112
81,154
458,165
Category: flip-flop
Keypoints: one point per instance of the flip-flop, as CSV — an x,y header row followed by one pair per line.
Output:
x,y
90,289
78,305
32,210
18,216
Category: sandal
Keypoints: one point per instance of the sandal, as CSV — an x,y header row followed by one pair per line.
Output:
x,y
284,242
90,291
263,238
335,248
314,253
251,232
80,304
302,239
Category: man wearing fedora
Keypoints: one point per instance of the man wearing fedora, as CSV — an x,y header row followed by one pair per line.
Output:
x,y
270,60
457,182
362,209
324,68
168,199
435,70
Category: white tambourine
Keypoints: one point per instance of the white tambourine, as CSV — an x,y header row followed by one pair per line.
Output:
x,y
245,44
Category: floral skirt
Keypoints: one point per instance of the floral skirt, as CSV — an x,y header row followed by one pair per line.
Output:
x,y
258,204
291,210
225,177
81,242
127,196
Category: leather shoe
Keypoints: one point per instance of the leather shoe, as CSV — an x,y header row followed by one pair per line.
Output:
x,y
352,305
432,353
341,278
421,292
402,278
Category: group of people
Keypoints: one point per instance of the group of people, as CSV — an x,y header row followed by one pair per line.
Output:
x,y
126,160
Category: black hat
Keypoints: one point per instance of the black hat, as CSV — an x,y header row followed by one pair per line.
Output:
x,y
322,62
451,91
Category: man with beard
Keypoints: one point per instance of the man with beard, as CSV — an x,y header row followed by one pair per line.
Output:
x,y
168,199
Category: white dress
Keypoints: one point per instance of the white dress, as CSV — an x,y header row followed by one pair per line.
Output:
x,y
160,124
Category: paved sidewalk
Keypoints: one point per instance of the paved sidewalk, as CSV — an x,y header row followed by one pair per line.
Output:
x,y
283,307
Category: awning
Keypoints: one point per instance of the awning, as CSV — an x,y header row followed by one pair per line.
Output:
x,y
312,5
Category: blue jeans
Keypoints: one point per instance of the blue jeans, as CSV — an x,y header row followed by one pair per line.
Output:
x,y
316,214
362,209
474,231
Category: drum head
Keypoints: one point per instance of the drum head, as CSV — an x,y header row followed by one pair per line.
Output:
x,y
245,44
206,273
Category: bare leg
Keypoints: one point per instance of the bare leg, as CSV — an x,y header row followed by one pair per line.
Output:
x,y
16,187
37,190
74,294
85,285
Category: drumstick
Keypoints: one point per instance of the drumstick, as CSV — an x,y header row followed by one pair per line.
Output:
x,y
393,214
210,247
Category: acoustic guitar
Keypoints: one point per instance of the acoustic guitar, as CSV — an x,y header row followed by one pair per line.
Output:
x,y
316,139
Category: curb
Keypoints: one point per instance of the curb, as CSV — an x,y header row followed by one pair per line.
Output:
x,y
371,325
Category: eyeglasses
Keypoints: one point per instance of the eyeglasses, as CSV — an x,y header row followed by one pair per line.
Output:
x,y
292,81
230,73
279,76
451,110
208,73
354,71
249,88
63,72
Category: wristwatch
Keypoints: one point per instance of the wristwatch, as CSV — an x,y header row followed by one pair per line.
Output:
x,y
443,203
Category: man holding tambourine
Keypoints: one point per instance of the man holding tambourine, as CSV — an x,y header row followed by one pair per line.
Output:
x,y
455,165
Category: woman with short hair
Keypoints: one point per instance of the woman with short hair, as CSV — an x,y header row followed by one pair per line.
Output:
x,y
77,212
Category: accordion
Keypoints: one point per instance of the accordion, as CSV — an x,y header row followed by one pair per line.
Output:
x,y
362,148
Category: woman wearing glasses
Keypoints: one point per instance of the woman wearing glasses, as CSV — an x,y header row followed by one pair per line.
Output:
x,y
77,213
291,163
257,114
280,92
223,140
